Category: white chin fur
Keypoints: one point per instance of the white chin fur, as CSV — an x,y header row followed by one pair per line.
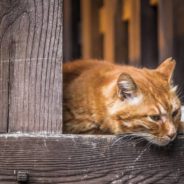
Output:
x,y
159,142
152,139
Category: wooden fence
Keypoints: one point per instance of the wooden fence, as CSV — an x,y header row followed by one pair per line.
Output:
x,y
32,146
135,32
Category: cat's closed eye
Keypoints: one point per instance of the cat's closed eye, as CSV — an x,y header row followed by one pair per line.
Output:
x,y
175,113
155,117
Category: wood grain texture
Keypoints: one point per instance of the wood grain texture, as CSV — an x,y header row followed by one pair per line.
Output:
x,y
8,14
31,55
90,159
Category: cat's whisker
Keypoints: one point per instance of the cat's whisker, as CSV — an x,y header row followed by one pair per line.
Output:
x,y
120,138
149,145
117,140
180,91
129,137
139,140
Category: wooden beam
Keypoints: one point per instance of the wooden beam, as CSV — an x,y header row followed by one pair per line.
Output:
x,y
89,159
31,43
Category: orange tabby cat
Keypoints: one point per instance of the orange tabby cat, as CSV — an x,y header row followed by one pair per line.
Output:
x,y
104,98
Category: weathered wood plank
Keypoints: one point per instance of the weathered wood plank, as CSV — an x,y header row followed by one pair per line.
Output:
x,y
90,159
31,55
10,12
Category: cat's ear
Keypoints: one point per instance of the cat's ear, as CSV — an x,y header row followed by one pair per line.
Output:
x,y
126,86
167,68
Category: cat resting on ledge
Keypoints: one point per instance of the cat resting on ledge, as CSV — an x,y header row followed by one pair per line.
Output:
x,y
104,98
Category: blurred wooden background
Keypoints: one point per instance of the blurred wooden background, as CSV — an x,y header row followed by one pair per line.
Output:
x,y
135,32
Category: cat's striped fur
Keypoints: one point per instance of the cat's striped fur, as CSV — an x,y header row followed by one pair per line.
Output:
x,y
104,98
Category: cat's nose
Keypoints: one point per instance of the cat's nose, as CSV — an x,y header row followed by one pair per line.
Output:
x,y
172,135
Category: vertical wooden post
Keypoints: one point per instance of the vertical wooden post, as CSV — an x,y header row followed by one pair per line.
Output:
x,y
149,35
91,37
108,28
67,30
178,44
31,45
166,38
10,11
86,28
120,34
142,32
132,14
135,32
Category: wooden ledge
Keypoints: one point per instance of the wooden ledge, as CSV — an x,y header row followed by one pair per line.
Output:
x,y
89,159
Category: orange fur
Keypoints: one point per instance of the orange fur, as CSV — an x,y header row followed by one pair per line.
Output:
x,y
104,98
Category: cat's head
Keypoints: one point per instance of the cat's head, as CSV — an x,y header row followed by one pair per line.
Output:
x,y
146,104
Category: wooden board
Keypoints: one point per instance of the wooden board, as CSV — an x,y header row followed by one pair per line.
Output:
x,y
10,11
90,159
31,55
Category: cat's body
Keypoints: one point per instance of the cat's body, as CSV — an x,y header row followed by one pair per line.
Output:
x,y
103,98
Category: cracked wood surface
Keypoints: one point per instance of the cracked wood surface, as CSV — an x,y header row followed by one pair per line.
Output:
x,y
30,67
90,159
